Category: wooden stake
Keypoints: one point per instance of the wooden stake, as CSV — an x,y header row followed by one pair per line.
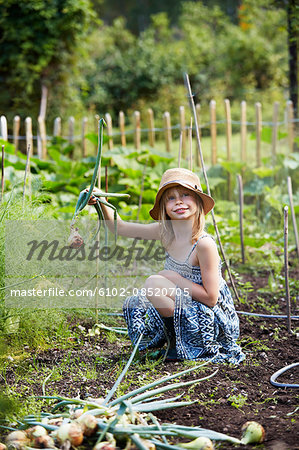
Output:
x,y
57,127
183,128
16,131
228,143
275,132
96,122
122,128
167,127
291,124
290,191
151,127
83,139
141,195
3,128
258,130
180,149
29,137
241,204
243,131
27,171
286,268
197,107
213,132
2,174
42,138
190,146
137,132
108,120
71,126
187,83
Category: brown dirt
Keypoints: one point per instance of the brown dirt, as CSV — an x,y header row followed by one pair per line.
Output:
x,y
268,347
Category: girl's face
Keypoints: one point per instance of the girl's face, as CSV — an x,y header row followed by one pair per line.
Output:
x,y
180,203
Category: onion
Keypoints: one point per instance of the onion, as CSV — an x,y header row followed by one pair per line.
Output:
x,y
36,431
77,413
16,437
200,443
43,442
88,423
104,445
75,240
252,433
70,432
2,446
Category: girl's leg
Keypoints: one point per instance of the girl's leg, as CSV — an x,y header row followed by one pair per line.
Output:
x,y
161,293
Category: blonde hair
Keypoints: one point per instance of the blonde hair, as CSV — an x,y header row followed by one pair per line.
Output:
x,y
166,230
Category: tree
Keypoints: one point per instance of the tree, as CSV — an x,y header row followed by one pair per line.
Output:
x,y
40,43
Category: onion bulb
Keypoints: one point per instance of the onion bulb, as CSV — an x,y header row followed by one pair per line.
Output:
x,y
88,423
16,437
75,240
70,432
36,432
43,442
252,433
2,446
104,445
200,443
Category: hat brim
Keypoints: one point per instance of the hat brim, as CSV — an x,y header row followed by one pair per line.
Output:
x,y
207,200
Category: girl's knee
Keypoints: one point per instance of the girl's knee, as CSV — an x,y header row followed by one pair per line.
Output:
x,y
153,281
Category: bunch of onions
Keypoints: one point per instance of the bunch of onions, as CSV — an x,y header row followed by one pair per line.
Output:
x,y
252,433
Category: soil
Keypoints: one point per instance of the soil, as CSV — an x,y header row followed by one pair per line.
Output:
x,y
236,394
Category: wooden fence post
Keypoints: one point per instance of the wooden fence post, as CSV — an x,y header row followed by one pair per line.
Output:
x,y
167,127
243,131
190,146
122,128
57,127
290,124
137,132
183,129
42,138
275,131
84,128
29,137
258,131
151,127
228,142
108,120
16,132
213,131
241,207
3,128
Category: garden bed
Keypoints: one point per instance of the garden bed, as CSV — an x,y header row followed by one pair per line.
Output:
x,y
88,366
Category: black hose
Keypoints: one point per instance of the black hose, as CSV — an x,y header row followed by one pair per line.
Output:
x,y
279,372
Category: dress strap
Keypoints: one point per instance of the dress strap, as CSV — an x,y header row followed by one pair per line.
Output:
x,y
194,245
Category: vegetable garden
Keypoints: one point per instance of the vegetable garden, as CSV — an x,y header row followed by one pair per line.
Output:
x,y
72,370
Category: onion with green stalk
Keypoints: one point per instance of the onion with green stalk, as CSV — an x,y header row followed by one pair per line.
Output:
x,y
75,240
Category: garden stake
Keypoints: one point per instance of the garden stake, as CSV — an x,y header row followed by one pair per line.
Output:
x,y
241,201
141,191
290,191
27,170
180,149
192,105
2,173
286,268
190,143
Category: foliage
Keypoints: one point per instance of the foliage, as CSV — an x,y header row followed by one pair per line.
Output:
x,y
40,43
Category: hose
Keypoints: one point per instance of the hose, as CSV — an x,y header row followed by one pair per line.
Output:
x,y
279,372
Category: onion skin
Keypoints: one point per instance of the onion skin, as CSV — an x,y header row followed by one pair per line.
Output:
x,y
70,432
252,433
200,443
17,437
75,240
43,442
36,431
104,445
89,424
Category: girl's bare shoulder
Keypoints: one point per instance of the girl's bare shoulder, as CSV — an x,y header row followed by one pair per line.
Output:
x,y
206,246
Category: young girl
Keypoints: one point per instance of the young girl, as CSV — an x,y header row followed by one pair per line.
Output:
x,y
188,304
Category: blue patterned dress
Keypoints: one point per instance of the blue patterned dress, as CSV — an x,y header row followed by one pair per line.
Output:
x,y
201,332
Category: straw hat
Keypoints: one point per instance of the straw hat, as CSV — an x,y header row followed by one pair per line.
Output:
x,y
185,178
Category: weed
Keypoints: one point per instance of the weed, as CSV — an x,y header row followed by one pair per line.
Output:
x,y
238,401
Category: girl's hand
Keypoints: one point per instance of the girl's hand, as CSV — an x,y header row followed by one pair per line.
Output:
x,y
92,200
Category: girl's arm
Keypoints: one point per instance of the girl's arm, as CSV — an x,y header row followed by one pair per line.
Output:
x,y
209,265
128,229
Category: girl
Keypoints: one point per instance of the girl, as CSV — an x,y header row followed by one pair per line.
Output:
x,y
188,304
